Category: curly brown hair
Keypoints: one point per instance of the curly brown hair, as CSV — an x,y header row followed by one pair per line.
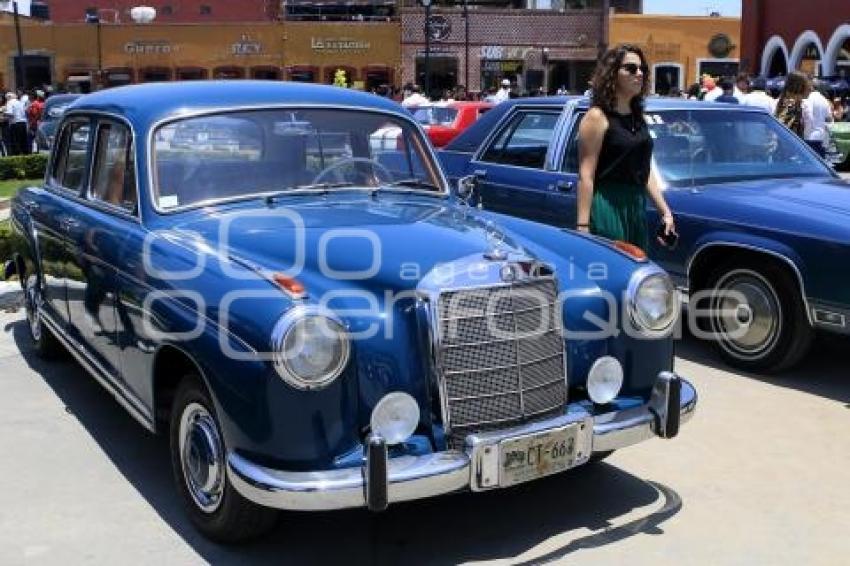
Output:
x,y
604,81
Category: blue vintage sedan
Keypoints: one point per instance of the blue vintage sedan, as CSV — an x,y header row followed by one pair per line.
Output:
x,y
764,224
280,278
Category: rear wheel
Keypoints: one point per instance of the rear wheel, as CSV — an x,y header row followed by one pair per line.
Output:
x,y
198,460
758,317
46,344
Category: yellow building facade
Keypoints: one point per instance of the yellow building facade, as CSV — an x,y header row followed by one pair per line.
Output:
x,y
84,56
680,49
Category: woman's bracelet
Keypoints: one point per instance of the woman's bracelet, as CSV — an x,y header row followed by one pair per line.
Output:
x,y
583,225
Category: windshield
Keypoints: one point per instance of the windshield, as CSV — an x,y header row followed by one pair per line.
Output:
x,y
435,115
252,153
717,146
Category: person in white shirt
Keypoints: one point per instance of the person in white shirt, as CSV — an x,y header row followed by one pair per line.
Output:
x,y
17,117
504,92
415,98
712,91
759,98
817,112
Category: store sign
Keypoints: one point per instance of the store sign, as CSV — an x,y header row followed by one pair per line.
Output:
x,y
439,27
338,44
811,53
502,52
501,67
246,47
148,48
720,45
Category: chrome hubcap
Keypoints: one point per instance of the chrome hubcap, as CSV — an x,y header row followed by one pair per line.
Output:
x,y
747,314
201,457
33,300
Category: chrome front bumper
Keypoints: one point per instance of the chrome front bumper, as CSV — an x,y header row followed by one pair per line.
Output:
x,y
385,480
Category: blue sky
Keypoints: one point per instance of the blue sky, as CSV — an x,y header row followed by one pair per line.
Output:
x,y
693,7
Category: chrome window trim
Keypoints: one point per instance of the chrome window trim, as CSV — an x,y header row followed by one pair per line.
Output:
x,y
505,122
99,114
51,182
216,110
89,197
753,248
558,148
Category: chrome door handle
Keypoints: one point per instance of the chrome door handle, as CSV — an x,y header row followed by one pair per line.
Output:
x,y
563,186
480,173
70,223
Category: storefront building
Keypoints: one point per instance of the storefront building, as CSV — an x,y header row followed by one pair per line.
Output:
x,y
532,48
167,11
368,52
813,36
83,57
681,49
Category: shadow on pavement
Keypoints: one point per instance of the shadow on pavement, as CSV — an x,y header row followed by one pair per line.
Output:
x,y
822,372
447,530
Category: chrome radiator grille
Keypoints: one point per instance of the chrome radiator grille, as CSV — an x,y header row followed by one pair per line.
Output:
x,y
501,356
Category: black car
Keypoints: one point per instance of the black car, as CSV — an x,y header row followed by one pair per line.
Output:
x,y
53,110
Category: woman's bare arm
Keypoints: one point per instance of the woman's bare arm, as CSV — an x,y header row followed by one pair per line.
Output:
x,y
590,135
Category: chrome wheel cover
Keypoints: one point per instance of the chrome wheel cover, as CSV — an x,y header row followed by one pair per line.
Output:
x,y
201,457
747,329
32,302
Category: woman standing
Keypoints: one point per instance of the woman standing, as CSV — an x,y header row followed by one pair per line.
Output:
x,y
789,108
615,153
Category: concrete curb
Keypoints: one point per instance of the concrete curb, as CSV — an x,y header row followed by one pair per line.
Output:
x,y
5,203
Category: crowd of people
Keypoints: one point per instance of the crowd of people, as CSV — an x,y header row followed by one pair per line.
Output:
x,y
20,115
806,110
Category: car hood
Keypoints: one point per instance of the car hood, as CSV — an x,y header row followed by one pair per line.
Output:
x,y
388,242
825,199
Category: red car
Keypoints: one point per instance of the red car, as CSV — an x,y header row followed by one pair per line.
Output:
x,y
444,122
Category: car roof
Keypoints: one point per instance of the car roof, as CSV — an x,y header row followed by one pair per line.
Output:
x,y
473,136
55,99
146,104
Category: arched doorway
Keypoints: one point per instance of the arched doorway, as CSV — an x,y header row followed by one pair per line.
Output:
x,y
774,59
836,60
807,54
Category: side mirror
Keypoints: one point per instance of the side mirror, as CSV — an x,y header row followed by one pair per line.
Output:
x,y
466,186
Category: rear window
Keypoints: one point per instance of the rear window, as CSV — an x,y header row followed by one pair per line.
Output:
x,y
435,116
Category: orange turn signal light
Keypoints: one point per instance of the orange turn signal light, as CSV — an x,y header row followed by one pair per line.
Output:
x,y
289,284
630,250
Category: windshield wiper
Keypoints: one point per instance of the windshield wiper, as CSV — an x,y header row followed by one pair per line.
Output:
x,y
317,188
414,183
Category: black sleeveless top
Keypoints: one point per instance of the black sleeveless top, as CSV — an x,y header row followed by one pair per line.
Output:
x,y
626,151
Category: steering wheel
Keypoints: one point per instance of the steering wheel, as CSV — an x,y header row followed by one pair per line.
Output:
x,y
348,160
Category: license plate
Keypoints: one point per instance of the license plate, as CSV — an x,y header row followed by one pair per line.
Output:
x,y
529,457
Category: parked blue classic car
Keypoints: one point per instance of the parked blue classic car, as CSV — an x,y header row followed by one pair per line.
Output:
x,y
764,224
317,320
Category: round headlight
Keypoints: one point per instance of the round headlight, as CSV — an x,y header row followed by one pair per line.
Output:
x,y
311,349
654,303
395,417
604,380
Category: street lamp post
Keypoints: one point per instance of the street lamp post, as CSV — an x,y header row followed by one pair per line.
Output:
x,y
427,5
466,44
19,74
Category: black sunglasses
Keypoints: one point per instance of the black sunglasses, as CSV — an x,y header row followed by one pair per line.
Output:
x,y
632,68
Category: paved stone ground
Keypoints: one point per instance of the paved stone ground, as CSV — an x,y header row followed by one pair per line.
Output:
x,y
759,476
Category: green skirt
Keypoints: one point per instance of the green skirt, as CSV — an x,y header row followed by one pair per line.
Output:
x,y
618,212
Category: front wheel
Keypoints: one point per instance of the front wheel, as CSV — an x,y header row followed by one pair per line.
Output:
x,y
758,317
198,460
